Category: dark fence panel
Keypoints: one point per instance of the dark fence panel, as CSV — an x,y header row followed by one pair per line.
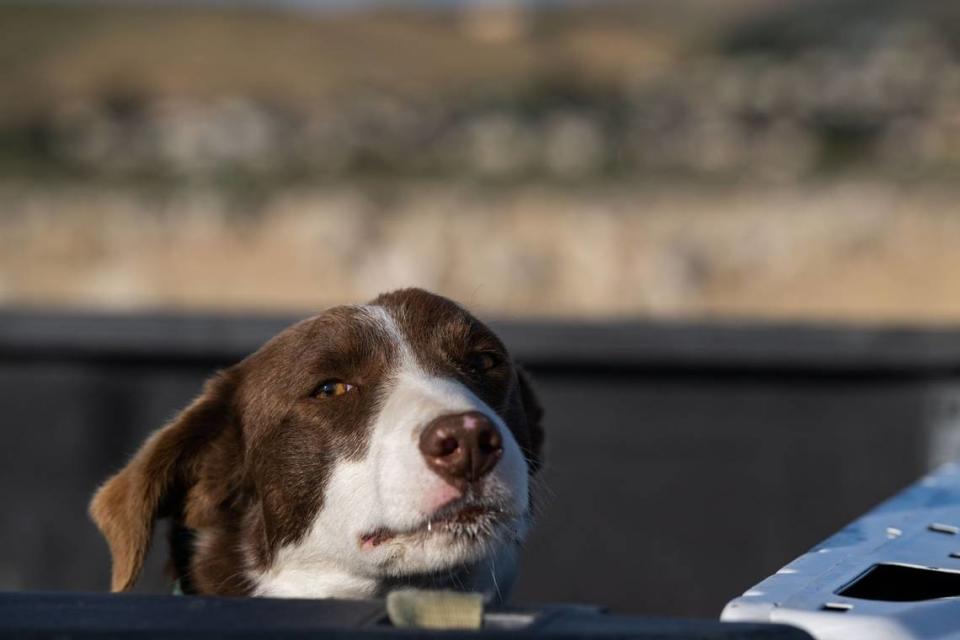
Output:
x,y
685,462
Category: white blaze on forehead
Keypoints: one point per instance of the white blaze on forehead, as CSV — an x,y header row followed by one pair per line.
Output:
x,y
392,488
406,360
413,398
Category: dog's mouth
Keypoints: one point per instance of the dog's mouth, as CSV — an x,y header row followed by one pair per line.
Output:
x,y
461,521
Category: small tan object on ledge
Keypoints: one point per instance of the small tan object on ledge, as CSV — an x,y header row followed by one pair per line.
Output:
x,y
422,609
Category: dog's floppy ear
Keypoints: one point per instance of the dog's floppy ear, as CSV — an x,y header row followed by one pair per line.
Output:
x,y
533,413
151,485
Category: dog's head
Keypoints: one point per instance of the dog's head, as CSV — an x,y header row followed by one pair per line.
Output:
x,y
371,445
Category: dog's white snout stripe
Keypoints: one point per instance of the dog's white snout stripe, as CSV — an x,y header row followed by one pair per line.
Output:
x,y
392,488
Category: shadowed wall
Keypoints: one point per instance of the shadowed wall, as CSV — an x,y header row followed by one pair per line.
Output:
x,y
684,462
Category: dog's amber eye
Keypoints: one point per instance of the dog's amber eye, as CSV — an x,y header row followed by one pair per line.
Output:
x,y
483,360
331,388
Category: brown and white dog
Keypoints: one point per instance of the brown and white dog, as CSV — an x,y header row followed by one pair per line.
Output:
x,y
368,447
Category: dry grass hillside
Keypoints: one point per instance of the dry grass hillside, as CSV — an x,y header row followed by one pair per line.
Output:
x,y
763,158
53,54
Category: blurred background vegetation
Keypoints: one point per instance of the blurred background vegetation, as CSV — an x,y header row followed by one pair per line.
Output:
x,y
671,158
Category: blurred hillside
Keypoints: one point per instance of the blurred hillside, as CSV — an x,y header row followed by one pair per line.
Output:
x,y
752,157
148,92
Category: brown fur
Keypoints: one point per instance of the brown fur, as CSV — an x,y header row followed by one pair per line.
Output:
x,y
173,460
243,468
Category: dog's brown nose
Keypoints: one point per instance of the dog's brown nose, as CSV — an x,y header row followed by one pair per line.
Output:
x,y
461,448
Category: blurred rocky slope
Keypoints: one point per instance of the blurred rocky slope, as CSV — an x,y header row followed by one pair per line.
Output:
x,y
855,250
779,89
748,157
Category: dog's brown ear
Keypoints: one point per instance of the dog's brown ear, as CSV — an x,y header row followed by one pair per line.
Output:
x,y
150,486
533,412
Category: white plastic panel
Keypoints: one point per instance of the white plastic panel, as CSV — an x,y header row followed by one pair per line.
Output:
x,y
892,574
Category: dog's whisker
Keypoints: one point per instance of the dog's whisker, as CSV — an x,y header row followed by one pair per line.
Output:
x,y
493,577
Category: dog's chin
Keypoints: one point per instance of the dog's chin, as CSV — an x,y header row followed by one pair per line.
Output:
x,y
448,541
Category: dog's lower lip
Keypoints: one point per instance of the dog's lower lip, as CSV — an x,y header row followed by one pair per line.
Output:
x,y
375,538
463,515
